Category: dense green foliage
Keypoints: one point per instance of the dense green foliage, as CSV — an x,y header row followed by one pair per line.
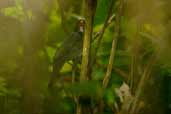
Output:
x,y
32,32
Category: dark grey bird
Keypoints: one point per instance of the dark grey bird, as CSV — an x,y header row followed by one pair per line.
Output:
x,y
69,50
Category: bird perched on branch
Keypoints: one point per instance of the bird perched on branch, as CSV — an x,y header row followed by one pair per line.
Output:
x,y
69,50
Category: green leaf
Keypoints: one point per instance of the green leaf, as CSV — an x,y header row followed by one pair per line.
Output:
x,y
51,53
129,28
85,88
98,74
15,11
101,12
109,96
3,90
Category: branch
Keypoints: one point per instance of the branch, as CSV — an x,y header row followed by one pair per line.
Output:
x,y
100,34
114,43
115,69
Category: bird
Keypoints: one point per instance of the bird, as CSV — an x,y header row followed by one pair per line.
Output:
x,y
69,50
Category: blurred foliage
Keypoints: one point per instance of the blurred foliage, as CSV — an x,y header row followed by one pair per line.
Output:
x,y
32,31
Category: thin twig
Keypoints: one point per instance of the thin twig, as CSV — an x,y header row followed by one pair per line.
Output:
x,y
134,75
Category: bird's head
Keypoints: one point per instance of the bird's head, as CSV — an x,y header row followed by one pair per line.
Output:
x,y
80,26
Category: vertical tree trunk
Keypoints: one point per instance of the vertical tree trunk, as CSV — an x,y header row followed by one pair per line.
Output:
x,y
90,8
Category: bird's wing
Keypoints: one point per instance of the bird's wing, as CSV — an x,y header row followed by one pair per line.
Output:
x,y
71,48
